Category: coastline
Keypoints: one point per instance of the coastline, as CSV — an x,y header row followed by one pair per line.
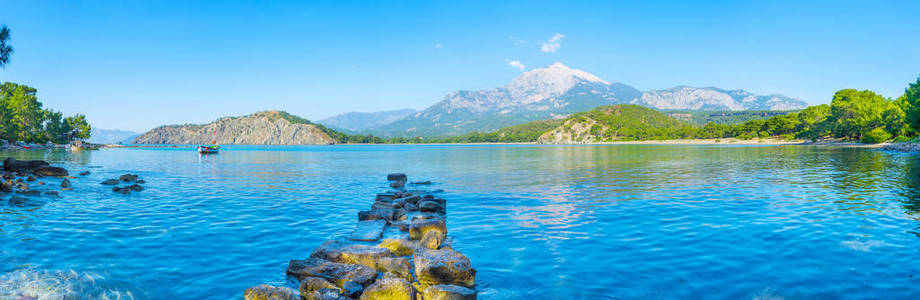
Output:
x,y
723,141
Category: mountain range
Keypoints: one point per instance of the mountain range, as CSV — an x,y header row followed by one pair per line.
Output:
x,y
551,93
111,136
557,91
358,121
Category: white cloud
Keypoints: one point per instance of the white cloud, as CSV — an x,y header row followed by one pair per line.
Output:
x,y
438,46
552,44
516,64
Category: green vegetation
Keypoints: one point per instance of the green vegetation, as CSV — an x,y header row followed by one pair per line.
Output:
x,y
627,122
23,119
723,117
5,49
527,132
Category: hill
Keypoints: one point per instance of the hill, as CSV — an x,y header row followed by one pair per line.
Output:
x,y
260,128
617,123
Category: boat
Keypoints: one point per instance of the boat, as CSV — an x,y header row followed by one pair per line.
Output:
x,y
208,149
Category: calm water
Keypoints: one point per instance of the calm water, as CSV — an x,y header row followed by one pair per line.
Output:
x,y
582,222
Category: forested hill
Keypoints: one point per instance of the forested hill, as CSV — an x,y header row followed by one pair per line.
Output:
x,y
624,122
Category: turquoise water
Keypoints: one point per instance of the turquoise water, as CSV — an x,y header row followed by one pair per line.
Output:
x,y
583,222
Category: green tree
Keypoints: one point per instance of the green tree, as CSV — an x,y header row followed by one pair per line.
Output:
x,y
78,126
910,104
857,112
5,49
24,110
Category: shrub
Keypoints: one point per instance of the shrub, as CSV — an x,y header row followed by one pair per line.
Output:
x,y
875,136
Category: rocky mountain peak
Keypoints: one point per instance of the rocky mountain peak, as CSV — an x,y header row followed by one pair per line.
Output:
x,y
553,80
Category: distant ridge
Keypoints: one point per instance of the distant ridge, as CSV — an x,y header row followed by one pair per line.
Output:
x,y
358,121
260,128
111,136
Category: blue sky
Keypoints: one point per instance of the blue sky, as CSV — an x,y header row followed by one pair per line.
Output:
x,y
136,65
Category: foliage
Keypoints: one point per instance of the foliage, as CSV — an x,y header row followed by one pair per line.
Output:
x,y
875,136
702,118
5,49
910,104
23,119
858,112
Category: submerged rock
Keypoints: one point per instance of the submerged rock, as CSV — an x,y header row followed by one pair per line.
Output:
x,y
414,199
431,206
14,165
110,182
6,186
433,267
370,230
337,273
376,214
448,292
267,292
51,171
128,178
65,183
426,182
22,201
30,192
135,187
120,190
51,193
84,173
382,196
389,289
397,177
419,226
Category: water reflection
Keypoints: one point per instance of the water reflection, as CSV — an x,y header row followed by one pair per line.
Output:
x,y
625,221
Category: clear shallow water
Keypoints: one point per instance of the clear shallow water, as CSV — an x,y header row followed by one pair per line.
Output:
x,y
584,222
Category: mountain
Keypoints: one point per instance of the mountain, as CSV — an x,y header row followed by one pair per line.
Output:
x,y
111,136
551,92
557,91
261,128
359,121
615,123
710,98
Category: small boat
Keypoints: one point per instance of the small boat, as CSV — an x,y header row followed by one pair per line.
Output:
x,y
208,149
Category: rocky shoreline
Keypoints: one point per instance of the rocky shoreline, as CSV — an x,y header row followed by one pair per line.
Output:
x,y
399,249
902,147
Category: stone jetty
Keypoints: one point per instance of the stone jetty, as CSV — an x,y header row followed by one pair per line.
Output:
x,y
398,249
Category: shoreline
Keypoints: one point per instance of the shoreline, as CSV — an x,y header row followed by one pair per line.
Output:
x,y
674,142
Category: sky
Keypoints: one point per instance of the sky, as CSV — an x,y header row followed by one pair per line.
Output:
x,y
136,65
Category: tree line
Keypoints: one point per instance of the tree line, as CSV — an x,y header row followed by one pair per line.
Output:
x,y
853,115
22,118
